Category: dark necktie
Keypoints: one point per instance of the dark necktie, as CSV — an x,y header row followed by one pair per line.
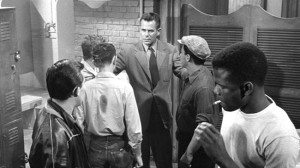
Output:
x,y
153,68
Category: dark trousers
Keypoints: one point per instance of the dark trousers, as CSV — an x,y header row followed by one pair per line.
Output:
x,y
158,138
109,152
200,159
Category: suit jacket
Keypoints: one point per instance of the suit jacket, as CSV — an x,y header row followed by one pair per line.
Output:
x,y
133,59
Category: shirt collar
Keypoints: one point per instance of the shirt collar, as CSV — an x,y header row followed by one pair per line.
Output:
x,y
88,67
194,73
154,46
106,75
50,110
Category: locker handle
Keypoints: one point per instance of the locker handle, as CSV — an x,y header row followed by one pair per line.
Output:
x,y
26,158
17,56
13,67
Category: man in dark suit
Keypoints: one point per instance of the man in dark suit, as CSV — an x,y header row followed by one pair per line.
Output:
x,y
149,65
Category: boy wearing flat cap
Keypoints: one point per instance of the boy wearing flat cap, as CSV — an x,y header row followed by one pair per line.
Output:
x,y
196,101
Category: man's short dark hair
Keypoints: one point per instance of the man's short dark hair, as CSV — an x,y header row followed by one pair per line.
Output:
x,y
150,17
87,45
244,61
63,77
196,60
103,53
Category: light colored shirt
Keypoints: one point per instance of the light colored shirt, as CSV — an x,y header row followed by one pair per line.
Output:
x,y
88,72
123,76
107,103
154,46
266,139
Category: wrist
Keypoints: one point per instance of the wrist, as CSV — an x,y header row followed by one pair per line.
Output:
x,y
227,162
137,151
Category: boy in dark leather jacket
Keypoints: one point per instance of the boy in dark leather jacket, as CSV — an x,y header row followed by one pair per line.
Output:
x,y
57,139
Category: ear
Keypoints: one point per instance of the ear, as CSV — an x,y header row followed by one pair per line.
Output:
x,y
188,57
158,31
75,92
114,60
248,88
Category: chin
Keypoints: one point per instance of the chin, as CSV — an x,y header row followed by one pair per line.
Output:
x,y
226,108
147,42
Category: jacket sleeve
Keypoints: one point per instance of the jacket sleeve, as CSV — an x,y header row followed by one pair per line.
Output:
x,y
120,62
178,70
50,146
203,102
133,123
79,115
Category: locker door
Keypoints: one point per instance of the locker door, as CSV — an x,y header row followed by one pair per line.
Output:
x,y
12,141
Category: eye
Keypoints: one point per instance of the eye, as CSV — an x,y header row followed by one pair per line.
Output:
x,y
219,86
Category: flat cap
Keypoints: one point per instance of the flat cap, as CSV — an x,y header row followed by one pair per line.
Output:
x,y
197,45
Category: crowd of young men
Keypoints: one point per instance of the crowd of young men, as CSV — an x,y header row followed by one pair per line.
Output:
x,y
125,120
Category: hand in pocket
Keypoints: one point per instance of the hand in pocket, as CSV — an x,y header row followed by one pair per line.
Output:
x,y
122,158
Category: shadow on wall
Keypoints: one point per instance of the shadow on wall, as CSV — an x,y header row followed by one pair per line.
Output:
x,y
94,3
42,47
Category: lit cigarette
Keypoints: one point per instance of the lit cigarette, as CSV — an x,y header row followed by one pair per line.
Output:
x,y
217,102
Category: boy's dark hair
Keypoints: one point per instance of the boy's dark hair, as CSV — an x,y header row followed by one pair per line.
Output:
x,y
63,77
150,17
196,60
103,54
87,45
244,61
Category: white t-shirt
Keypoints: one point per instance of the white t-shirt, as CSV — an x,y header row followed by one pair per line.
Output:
x,y
264,139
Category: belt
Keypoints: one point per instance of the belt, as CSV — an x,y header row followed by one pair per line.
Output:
x,y
107,138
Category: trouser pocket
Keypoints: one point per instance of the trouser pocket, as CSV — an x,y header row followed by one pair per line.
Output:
x,y
122,158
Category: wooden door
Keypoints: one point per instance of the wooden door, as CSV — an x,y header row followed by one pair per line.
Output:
x,y
278,38
11,140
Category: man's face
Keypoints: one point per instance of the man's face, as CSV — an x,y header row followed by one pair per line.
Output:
x,y
149,32
226,91
183,58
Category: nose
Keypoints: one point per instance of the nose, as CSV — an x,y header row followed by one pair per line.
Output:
x,y
217,90
147,33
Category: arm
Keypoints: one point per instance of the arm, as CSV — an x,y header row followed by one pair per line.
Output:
x,y
49,148
178,70
212,141
80,111
79,116
133,123
203,101
120,64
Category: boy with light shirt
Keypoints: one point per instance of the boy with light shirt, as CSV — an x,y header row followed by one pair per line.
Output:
x,y
111,114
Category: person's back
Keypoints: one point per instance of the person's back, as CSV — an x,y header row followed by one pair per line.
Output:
x,y
106,94
57,139
111,114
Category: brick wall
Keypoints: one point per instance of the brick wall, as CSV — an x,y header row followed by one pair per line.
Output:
x,y
116,20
